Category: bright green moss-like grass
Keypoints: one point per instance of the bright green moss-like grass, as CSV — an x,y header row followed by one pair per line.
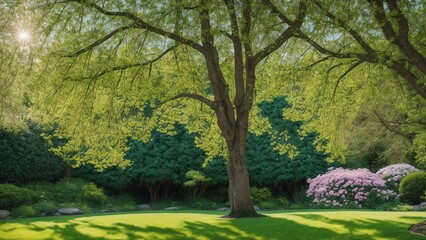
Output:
x,y
312,224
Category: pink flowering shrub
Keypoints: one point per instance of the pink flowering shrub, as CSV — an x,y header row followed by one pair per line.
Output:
x,y
393,174
343,187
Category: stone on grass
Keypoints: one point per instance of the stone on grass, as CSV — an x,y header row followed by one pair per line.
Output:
x,y
115,209
69,211
4,214
423,204
417,207
143,207
419,228
172,208
224,209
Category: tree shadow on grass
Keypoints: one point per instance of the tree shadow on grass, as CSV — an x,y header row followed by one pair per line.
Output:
x,y
283,226
366,228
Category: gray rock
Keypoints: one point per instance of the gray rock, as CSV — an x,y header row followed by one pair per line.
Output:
x,y
256,208
4,214
69,211
57,214
423,204
144,207
417,207
172,208
116,209
224,209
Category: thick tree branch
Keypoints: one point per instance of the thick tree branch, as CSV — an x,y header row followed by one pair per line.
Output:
x,y
249,64
99,41
238,53
207,37
286,35
351,31
402,21
385,25
142,24
275,10
410,78
413,56
247,29
401,40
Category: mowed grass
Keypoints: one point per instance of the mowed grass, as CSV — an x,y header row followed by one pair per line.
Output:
x,y
303,224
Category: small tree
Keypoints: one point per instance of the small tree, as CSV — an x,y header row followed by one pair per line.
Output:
x,y
196,185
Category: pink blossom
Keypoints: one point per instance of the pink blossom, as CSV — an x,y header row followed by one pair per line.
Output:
x,y
394,173
343,186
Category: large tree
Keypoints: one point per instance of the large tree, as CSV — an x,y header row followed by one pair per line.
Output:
x,y
108,60
206,51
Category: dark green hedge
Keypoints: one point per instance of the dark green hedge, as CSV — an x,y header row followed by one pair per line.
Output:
x,y
24,158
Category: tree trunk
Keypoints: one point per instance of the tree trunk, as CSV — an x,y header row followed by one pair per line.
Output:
x,y
239,189
67,172
239,182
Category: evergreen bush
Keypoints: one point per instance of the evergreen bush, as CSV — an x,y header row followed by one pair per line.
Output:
x,y
412,187
12,196
23,212
25,158
48,208
93,194
260,194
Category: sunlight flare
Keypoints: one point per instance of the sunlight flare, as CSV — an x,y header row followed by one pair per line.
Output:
x,y
23,36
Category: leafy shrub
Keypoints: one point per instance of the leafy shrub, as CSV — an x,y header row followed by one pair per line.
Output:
x,y
47,208
12,196
93,194
23,211
403,207
46,191
283,202
82,206
412,187
268,205
340,187
127,208
393,174
260,194
78,190
388,206
69,190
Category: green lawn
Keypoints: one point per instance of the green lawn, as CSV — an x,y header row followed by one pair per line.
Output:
x,y
303,224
